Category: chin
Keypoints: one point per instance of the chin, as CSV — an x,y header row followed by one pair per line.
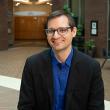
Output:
x,y
57,49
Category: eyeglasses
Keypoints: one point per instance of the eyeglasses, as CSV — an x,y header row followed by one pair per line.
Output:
x,y
61,31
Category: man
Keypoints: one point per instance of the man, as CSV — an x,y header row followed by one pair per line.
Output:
x,y
61,78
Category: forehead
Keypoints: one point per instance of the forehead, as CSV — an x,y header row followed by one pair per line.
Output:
x,y
59,21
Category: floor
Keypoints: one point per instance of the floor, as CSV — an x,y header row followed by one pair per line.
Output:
x,y
11,66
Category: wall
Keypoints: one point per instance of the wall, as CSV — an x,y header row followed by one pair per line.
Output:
x,y
44,7
78,10
30,19
30,27
97,10
10,23
58,4
75,7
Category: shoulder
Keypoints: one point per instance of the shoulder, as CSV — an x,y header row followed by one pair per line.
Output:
x,y
39,57
84,59
86,65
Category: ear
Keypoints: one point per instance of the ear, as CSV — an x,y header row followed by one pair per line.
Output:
x,y
74,31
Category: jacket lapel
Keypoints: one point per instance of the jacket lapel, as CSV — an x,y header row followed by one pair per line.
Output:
x,y
72,80
48,76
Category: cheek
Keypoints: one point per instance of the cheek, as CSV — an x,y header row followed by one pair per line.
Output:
x,y
49,41
69,37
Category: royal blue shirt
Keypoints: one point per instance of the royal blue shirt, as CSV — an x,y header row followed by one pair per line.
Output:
x,y
60,76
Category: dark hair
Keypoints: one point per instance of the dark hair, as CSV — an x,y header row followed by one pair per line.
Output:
x,y
58,13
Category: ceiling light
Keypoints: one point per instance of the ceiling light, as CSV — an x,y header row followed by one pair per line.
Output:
x,y
48,3
21,0
42,0
17,4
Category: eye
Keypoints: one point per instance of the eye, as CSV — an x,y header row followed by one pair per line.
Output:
x,y
62,30
49,31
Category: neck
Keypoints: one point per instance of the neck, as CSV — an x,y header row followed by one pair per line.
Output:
x,y
62,55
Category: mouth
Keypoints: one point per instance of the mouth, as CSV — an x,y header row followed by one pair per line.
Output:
x,y
56,42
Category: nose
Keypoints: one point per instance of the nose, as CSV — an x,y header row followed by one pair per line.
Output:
x,y
56,35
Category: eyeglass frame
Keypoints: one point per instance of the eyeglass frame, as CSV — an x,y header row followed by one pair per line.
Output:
x,y
58,30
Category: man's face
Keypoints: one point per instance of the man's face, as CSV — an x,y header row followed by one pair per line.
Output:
x,y
62,37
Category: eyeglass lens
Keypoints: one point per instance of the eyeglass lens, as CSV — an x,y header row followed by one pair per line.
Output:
x,y
60,31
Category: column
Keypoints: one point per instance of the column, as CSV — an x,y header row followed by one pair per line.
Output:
x,y
3,25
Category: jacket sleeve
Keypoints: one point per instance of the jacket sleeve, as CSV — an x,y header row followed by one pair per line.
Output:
x,y
26,96
96,96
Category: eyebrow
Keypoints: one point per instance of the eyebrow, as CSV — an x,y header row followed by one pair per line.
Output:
x,y
59,27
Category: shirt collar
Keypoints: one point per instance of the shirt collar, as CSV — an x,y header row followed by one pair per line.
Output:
x,y
68,60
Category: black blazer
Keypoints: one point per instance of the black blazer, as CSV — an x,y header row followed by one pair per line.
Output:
x,y
85,90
